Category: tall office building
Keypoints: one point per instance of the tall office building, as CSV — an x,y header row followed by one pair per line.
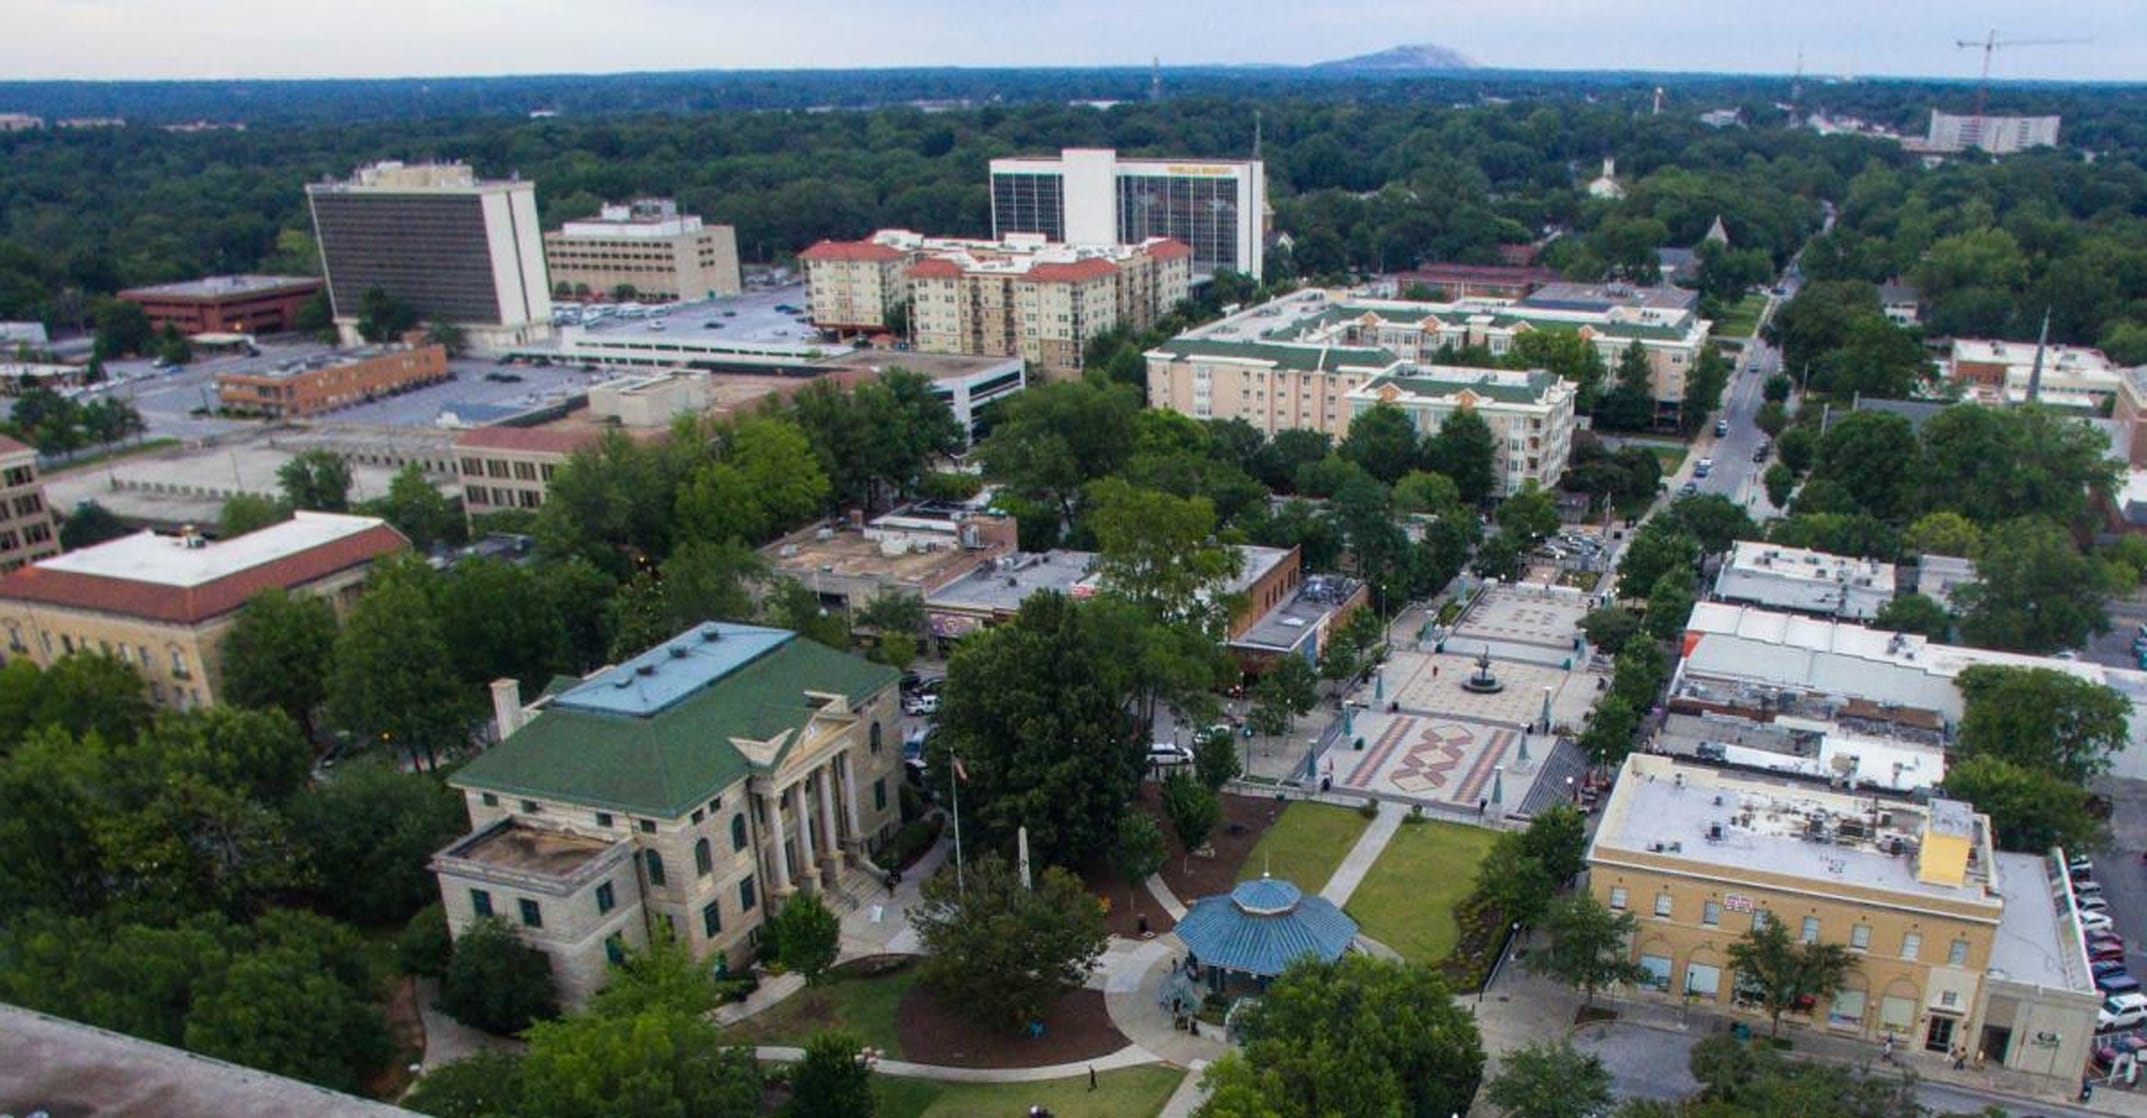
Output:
x,y
1089,196
1999,135
648,245
456,248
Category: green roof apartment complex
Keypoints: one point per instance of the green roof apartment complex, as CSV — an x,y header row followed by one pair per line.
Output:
x,y
1314,360
682,790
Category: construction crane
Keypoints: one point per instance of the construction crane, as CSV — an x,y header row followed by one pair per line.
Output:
x,y
1990,45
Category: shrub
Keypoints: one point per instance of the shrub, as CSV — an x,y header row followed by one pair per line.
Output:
x,y
424,947
497,983
1369,808
910,843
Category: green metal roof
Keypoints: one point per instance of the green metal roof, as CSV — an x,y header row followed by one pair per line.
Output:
x,y
1310,357
664,763
1502,319
1488,386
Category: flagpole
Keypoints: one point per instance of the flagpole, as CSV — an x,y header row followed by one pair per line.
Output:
x,y
954,787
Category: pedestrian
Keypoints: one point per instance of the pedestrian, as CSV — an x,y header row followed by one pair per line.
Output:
x,y
1435,671
1960,1057
1887,1052
890,880
1092,1077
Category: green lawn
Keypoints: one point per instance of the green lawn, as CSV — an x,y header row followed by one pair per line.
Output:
x,y
1125,1093
1407,900
1741,320
1672,456
862,1006
1306,844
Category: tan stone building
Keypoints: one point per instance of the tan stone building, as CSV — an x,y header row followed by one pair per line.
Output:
x,y
647,244
506,468
1272,385
163,604
854,287
688,789
1530,414
1956,944
26,533
1022,297
317,385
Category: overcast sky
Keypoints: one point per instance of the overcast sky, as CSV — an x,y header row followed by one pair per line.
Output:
x,y
393,38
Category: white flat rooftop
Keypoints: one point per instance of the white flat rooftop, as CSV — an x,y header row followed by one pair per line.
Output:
x,y
2035,945
165,561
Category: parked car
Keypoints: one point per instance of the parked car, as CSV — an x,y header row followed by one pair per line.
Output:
x,y
2106,952
2121,1011
1689,488
1722,427
2104,936
2120,983
2095,918
2086,889
2107,966
1703,467
2091,903
921,704
909,681
1168,754
2079,866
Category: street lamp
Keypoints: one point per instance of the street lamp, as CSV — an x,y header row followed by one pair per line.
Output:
x,y
1498,785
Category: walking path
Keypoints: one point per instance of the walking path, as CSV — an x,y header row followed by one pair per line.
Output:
x,y
448,1040
1189,1095
1160,890
1350,873
1131,1055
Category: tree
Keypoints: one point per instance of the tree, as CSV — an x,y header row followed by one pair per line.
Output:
x,y
833,1080
1055,438
417,510
1036,710
807,936
1002,950
277,655
1610,627
2032,810
481,1085
1630,403
1557,839
1159,552
497,983
1421,493
1914,613
1780,973
1874,455
2034,592
1530,514
90,524
1590,946
276,1010
1192,808
1944,532
316,319
247,512
2042,719
390,680
1235,1090
448,336
383,317
1383,442
1464,451
316,480
1712,520
1288,690
425,945
1215,758
1514,881
1670,604
369,833
82,694
122,328
659,1062
663,977
1550,1079
1609,736
1362,1035
1655,550
1138,853
499,621
1780,483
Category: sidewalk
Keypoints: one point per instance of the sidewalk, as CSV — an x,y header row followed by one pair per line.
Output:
x,y
880,925
1370,844
1130,1056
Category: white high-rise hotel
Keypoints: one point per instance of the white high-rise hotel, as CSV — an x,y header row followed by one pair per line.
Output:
x,y
1089,196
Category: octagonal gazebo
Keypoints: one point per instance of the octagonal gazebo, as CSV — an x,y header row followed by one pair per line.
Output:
x,y
1258,928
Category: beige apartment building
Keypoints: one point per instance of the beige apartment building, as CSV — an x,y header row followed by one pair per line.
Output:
x,y
664,255
855,287
164,604
1956,944
688,790
1273,386
1530,414
1023,297
26,533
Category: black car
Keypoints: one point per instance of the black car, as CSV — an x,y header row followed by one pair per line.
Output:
x,y
910,681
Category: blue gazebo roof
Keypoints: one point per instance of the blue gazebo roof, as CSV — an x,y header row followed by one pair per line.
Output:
x,y
1262,925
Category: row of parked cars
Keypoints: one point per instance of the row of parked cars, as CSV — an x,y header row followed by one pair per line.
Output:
x,y
2124,1004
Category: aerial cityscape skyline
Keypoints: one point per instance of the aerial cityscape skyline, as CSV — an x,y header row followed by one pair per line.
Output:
x,y
243,39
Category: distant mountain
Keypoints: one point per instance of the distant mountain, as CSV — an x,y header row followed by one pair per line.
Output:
x,y
1421,56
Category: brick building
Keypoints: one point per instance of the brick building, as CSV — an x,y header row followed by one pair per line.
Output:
x,y
227,304
316,385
